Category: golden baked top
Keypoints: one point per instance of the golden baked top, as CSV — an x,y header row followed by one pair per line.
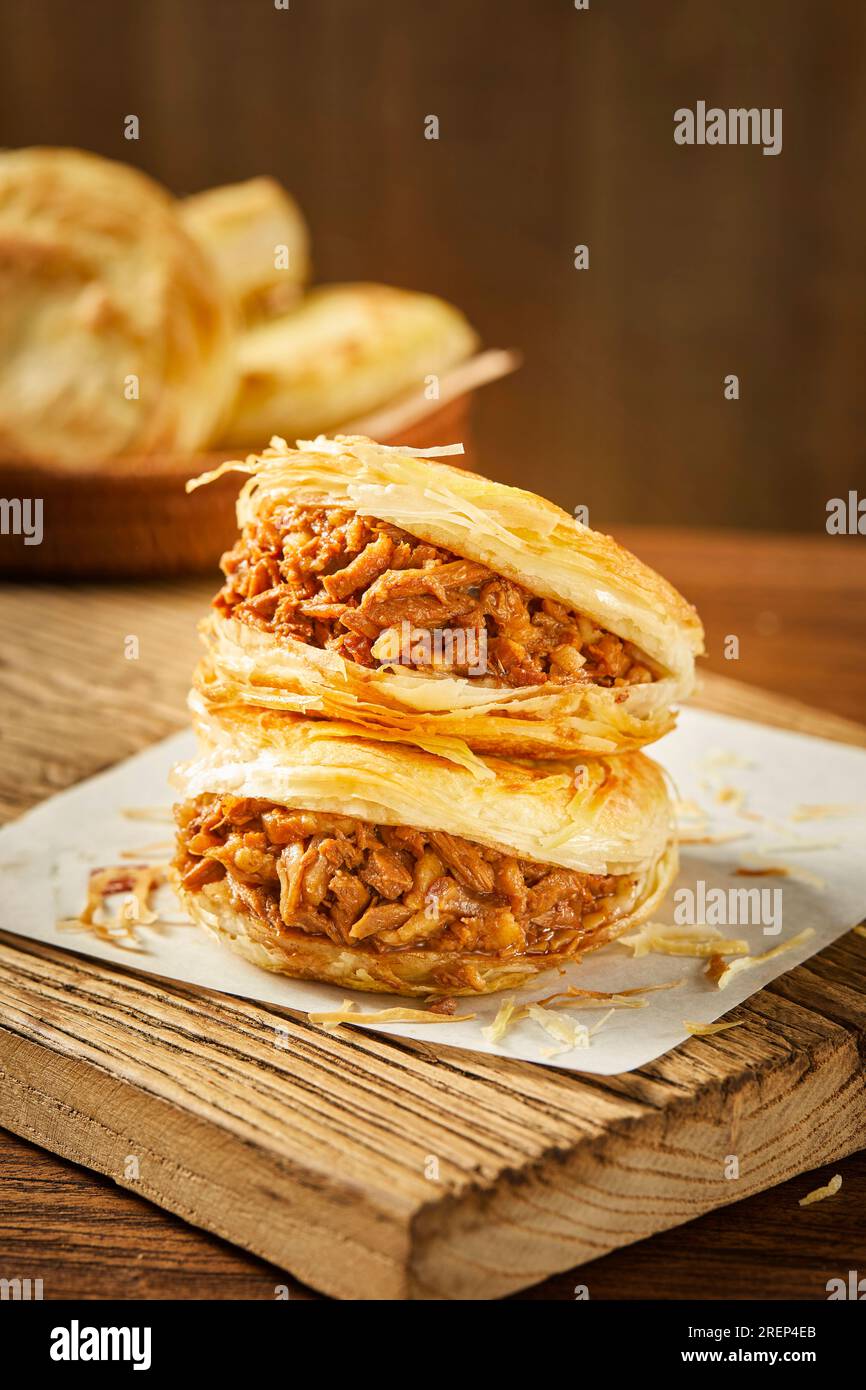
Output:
x,y
513,532
608,815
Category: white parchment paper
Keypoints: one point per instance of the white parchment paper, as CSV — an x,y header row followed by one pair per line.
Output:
x,y
790,800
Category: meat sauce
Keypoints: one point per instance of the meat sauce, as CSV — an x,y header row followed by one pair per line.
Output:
x,y
352,584
388,888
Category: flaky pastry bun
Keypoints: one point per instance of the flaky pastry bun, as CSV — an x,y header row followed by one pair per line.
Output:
x,y
627,640
375,865
344,351
116,336
256,234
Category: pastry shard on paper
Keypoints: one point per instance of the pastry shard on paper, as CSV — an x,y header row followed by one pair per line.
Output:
x,y
377,586
374,865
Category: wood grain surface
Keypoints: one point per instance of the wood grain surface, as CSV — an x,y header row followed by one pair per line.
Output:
x,y
101,1067
315,1149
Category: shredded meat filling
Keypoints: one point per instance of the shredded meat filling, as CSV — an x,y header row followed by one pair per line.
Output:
x,y
337,580
390,887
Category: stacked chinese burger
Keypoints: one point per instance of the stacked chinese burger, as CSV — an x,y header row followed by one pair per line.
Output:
x,y
418,714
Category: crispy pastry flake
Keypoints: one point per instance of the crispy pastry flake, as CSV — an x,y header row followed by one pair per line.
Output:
x,y
819,1193
721,972
350,1013
706,1030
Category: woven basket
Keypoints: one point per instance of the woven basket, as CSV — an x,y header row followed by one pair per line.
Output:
x,y
132,518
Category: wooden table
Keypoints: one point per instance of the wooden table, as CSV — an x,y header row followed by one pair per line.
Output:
x,y
798,607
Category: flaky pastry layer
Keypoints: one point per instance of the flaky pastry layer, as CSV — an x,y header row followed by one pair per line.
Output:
x,y
517,536
608,815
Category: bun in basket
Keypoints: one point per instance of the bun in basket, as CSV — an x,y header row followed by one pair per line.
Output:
x,y
116,336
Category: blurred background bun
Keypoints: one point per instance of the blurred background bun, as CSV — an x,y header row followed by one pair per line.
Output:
x,y
145,338
256,234
116,334
344,351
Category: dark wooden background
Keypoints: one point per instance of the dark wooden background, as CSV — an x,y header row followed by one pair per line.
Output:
x,y
556,128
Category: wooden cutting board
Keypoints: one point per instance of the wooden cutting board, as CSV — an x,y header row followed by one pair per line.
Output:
x,y
373,1167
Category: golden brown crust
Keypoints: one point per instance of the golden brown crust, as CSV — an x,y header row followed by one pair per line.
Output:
x,y
515,533
244,664
100,286
607,816
610,815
